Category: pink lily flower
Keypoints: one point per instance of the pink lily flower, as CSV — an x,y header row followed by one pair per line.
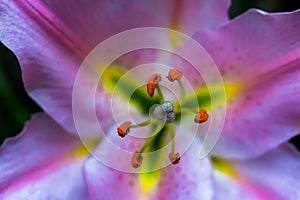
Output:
x,y
250,161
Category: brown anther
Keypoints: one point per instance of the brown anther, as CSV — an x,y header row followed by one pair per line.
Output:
x,y
137,159
123,129
152,84
201,117
174,75
174,158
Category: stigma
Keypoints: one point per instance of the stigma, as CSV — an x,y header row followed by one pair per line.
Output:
x,y
153,84
165,112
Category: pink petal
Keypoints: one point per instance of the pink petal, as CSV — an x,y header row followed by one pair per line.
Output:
x,y
51,39
95,21
49,64
106,183
254,43
259,52
190,179
274,175
111,182
41,163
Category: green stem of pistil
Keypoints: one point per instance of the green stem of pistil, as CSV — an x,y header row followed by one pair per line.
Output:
x,y
182,90
160,94
172,132
150,140
146,123
189,110
147,143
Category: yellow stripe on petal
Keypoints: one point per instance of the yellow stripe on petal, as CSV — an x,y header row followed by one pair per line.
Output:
x,y
202,98
149,181
110,77
85,150
223,166
126,87
174,36
232,90
152,161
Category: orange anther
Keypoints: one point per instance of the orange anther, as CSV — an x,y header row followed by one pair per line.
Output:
x,y
136,160
174,74
174,158
152,84
123,129
201,117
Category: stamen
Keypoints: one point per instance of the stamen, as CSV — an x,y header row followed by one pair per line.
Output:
x,y
152,84
146,123
182,90
174,158
163,113
160,94
201,117
174,74
137,159
172,132
124,129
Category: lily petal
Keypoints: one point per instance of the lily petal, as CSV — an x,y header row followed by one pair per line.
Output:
x,y
51,39
189,179
259,52
48,59
94,21
274,175
106,183
41,163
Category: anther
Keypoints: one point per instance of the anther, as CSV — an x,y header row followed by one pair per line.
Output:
x,y
152,84
201,117
124,129
174,158
137,159
174,74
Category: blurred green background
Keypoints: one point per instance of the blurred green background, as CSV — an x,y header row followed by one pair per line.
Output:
x,y
16,106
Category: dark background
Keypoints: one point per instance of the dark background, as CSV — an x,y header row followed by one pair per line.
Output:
x,y
16,106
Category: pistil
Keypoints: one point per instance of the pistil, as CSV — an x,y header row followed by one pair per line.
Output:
x,y
172,133
164,116
165,112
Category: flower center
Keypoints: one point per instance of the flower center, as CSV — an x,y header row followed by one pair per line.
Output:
x,y
163,113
